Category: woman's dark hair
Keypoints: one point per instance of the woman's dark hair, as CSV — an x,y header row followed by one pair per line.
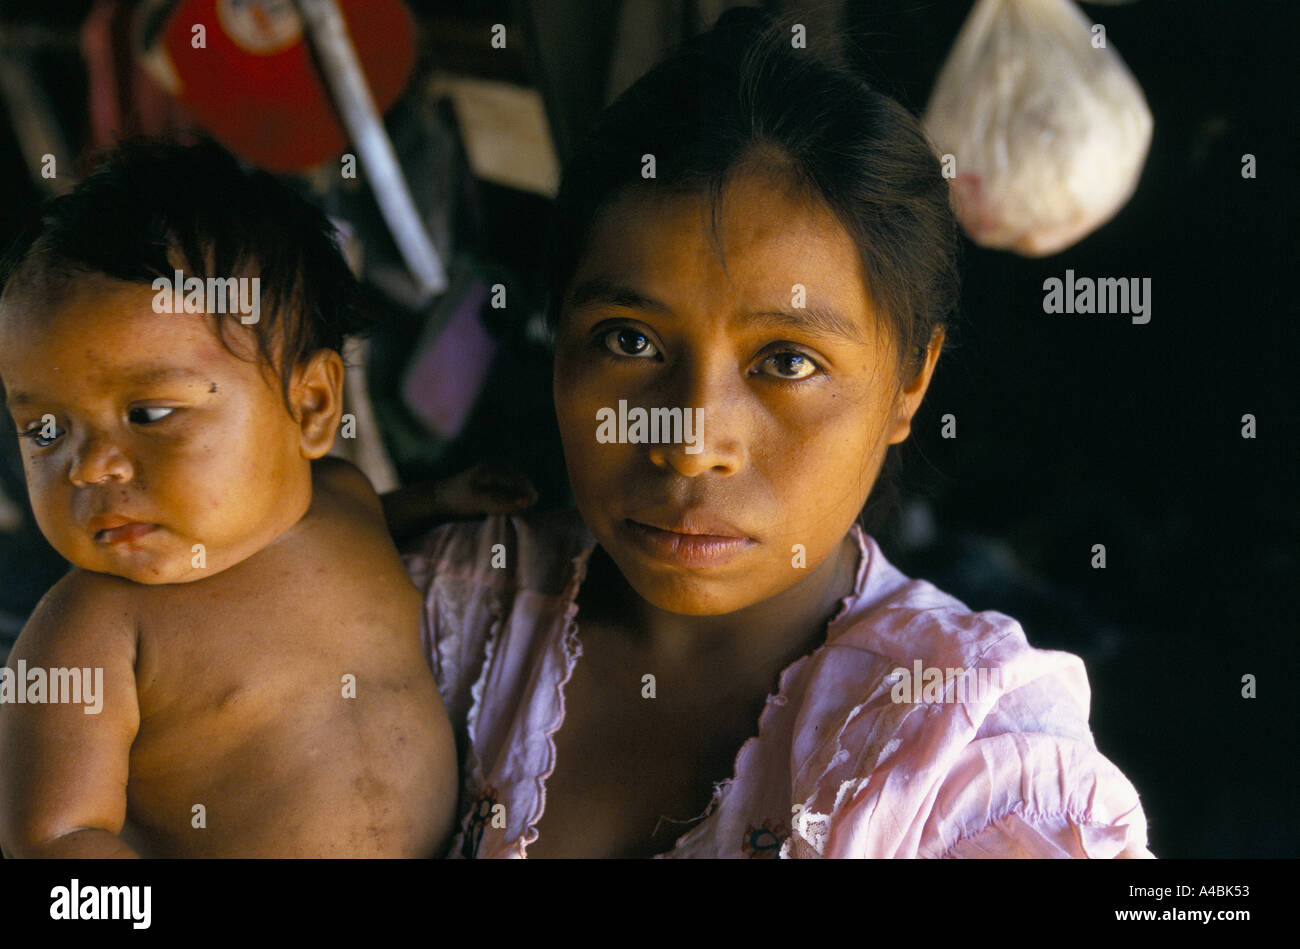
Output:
x,y
743,87
149,206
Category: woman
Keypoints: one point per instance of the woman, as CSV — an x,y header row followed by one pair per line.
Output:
x,y
753,270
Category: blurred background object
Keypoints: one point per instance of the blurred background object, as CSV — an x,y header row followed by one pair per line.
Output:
x,y
1043,126
1072,431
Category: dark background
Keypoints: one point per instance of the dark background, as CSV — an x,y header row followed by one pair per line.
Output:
x,y
1072,430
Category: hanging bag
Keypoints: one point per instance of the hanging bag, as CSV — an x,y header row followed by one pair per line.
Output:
x,y
1043,128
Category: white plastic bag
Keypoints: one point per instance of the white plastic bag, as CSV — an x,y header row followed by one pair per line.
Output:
x,y
1047,132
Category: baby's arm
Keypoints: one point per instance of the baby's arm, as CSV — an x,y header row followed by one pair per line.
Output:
x,y
63,772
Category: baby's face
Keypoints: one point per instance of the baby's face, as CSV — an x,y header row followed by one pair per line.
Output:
x,y
162,440
795,406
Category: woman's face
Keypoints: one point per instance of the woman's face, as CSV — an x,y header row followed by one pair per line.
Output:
x,y
786,380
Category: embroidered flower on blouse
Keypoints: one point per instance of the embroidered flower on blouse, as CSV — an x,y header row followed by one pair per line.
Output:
x,y
763,841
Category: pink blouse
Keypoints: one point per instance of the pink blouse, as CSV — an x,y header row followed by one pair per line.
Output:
x,y
917,729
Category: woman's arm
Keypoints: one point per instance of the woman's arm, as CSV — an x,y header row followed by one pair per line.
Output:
x,y
480,490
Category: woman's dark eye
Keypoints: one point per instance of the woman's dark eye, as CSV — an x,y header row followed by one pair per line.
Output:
x,y
791,366
141,416
629,342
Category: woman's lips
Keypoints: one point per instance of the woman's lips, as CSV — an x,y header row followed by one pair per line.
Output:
x,y
691,550
125,533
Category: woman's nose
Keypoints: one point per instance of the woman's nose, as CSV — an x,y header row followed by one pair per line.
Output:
x,y
714,422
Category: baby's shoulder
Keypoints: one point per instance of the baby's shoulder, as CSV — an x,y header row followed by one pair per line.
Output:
x,y
346,517
340,478
83,609
79,592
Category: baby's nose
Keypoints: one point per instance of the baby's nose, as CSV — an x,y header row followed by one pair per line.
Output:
x,y
99,460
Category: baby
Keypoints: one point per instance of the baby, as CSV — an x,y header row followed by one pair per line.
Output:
x,y
236,604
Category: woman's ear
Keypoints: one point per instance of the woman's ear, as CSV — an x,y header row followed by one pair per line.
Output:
x,y
316,393
913,390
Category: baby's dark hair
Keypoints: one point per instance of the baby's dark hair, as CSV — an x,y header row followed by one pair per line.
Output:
x,y
742,89
149,208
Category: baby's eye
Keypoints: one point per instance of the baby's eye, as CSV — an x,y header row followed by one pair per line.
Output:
x,y
791,366
626,341
37,433
135,414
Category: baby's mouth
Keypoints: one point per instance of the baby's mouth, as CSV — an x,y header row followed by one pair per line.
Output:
x,y
124,533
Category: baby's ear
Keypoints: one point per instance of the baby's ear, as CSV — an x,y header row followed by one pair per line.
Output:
x,y
317,397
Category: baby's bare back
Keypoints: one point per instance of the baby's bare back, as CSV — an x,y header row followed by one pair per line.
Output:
x,y
285,704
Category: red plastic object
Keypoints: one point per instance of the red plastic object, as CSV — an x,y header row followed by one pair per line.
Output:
x,y
255,87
